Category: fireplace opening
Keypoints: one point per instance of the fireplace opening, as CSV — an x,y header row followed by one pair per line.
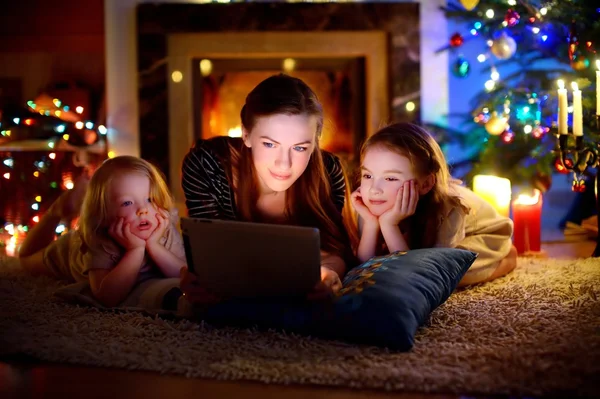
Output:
x,y
220,86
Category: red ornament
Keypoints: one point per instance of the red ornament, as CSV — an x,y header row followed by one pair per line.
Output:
x,y
578,185
508,137
512,17
563,168
456,40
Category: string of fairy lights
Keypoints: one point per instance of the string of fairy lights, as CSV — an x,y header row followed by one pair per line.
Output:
x,y
50,127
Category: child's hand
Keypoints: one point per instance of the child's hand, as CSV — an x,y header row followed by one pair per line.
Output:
x,y
330,284
360,207
404,206
121,232
193,292
162,220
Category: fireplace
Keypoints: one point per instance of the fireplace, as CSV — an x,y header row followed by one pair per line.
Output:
x,y
199,62
221,85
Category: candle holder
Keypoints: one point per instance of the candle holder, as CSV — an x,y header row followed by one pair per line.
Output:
x,y
578,159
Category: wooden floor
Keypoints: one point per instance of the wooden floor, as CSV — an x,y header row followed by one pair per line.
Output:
x,y
23,378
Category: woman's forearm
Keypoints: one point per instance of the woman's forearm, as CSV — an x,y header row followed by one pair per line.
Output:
x,y
333,262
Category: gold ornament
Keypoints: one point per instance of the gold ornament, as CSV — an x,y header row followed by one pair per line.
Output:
x,y
496,125
504,47
469,4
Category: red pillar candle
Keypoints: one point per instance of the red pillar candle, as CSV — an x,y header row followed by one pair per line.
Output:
x,y
527,216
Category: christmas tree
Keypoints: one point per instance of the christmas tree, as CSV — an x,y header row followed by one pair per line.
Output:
x,y
44,146
511,131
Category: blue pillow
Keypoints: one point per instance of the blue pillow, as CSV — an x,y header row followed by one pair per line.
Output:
x,y
382,302
385,300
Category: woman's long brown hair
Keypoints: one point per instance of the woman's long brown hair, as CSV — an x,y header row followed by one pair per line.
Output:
x,y
309,201
427,158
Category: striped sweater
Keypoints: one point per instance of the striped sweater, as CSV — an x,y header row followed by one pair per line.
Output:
x,y
208,192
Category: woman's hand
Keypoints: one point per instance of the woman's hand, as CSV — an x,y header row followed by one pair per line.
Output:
x,y
163,222
362,210
330,284
193,292
121,232
404,206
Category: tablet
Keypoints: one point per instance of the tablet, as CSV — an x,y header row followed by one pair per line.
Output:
x,y
235,259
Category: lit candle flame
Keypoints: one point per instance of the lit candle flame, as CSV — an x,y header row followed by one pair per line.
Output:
x,y
560,83
574,86
525,199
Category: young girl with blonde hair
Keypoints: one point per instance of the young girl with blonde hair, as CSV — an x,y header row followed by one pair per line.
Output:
x,y
125,233
408,200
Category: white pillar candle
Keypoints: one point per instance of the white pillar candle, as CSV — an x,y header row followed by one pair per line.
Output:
x,y
577,111
563,127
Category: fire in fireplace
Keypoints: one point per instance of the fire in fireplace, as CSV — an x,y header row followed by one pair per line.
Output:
x,y
221,85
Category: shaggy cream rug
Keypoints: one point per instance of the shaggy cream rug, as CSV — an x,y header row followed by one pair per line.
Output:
x,y
534,332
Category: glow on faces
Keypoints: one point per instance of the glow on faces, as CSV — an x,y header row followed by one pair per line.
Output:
x,y
281,148
129,198
382,174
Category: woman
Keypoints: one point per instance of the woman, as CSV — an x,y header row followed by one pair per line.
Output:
x,y
275,173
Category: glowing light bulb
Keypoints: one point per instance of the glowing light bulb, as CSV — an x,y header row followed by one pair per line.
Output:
x,y
288,65
177,76
206,67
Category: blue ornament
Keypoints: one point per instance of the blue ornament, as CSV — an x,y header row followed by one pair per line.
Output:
x,y
461,67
